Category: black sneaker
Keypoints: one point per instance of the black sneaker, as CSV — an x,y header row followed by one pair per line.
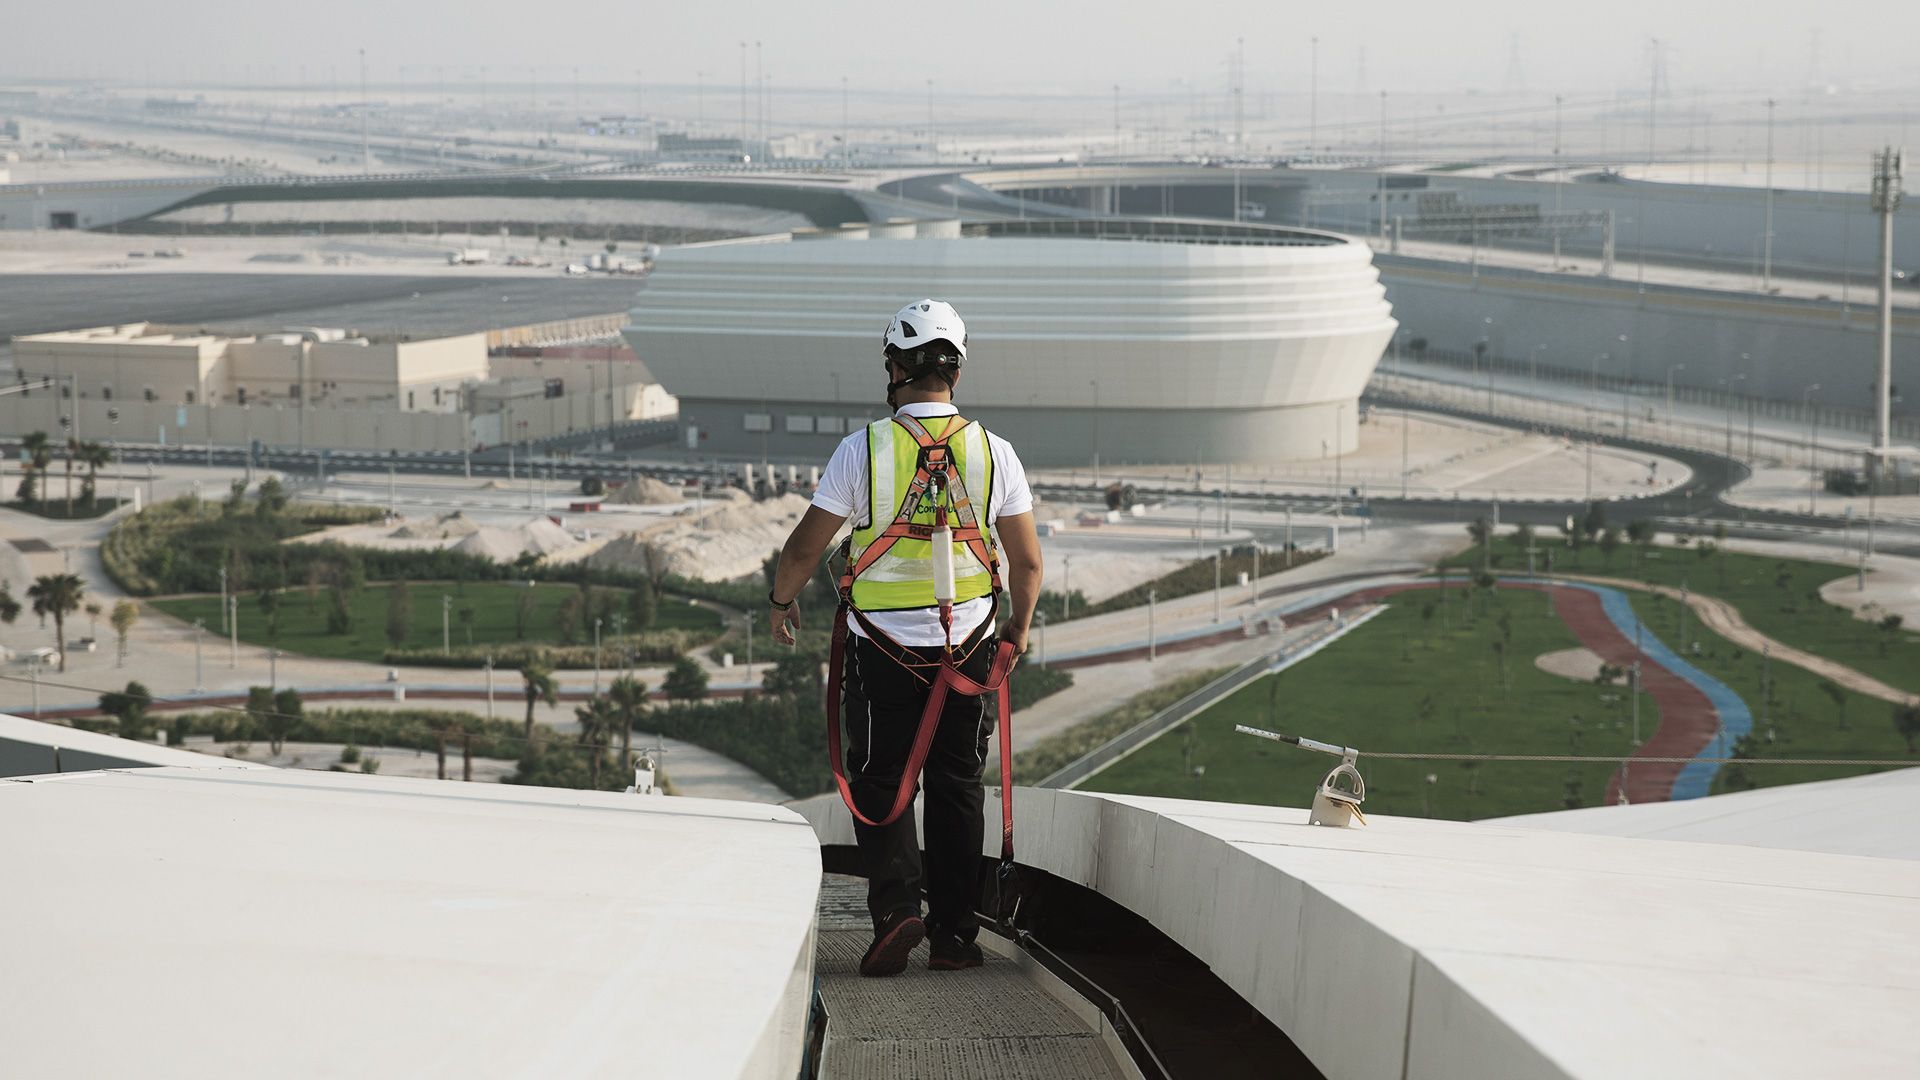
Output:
x,y
952,954
892,944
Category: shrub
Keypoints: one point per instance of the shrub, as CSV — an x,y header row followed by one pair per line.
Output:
x,y
652,647
687,681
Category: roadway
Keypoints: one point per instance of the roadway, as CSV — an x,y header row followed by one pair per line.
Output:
x,y
418,304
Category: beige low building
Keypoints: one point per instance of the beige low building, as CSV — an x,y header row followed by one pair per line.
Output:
x,y
170,365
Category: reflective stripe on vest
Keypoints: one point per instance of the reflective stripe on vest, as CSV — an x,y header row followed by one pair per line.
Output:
x,y
903,577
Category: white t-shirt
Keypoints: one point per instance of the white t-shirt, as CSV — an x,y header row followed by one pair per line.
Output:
x,y
843,492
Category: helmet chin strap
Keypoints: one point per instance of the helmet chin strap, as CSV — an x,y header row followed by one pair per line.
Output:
x,y
914,375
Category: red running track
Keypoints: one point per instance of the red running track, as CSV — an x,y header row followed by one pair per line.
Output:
x,y
1688,721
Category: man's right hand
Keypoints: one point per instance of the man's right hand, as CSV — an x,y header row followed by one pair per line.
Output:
x,y
1015,635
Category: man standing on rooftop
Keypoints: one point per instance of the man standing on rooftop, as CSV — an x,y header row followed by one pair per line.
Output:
x,y
927,492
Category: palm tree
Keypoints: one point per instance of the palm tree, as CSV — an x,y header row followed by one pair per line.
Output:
x,y
629,696
597,719
539,687
95,457
58,595
39,451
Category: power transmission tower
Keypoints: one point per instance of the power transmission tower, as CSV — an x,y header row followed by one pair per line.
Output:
x,y
1516,72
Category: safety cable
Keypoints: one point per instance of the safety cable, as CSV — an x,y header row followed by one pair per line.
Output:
x,y
1615,759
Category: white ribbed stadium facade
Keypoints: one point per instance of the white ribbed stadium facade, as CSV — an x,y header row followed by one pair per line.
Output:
x,y
1137,341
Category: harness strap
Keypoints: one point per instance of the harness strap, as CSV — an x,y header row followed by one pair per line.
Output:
x,y
934,452
948,678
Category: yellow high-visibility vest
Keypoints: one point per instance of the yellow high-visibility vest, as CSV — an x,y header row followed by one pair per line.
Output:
x,y
902,578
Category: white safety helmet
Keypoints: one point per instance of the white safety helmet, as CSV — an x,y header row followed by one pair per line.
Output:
x,y
923,322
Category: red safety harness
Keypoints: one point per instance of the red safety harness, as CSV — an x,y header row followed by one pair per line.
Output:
x,y
936,484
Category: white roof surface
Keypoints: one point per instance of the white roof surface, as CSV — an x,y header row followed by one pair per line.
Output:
x,y
1439,949
220,922
1875,815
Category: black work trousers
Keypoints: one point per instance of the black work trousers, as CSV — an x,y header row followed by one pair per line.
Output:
x,y
881,703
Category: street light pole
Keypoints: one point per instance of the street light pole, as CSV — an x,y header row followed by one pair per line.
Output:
x,y
233,632
1671,368
1066,588
1766,237
1151,648
199,632
1216,584
1813,442
1096,432
596,657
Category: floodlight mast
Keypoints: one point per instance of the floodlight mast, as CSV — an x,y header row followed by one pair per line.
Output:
x,y
1886,199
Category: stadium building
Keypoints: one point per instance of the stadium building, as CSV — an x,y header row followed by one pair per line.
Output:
x,y
1127,340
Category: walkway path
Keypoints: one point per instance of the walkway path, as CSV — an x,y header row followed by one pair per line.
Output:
x,y
1725,619
997,1020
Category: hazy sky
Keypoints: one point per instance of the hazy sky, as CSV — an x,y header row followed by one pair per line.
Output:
x,y
1030,46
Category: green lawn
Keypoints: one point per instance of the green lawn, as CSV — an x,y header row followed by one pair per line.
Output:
x,y
1405,682
1365,691
495,605
1778,597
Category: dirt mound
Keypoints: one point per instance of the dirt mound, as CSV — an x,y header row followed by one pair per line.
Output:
x,y
487,542
645,491
723,542
541,536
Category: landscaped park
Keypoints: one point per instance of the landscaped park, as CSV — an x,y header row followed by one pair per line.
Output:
x,y
1449,669
379,621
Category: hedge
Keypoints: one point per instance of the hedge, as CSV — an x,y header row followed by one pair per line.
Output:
x,y
650,647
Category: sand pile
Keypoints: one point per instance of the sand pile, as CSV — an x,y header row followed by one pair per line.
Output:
x,y
726,541
446,526
542,537
645,491
487,542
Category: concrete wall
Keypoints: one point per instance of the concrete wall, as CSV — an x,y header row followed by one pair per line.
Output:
x,y
426,375
538,417
1813,230
175,371
32,206
1792,343
276,427
803,432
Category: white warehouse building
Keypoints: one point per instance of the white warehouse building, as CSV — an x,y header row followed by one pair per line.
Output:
x,y
1136,341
